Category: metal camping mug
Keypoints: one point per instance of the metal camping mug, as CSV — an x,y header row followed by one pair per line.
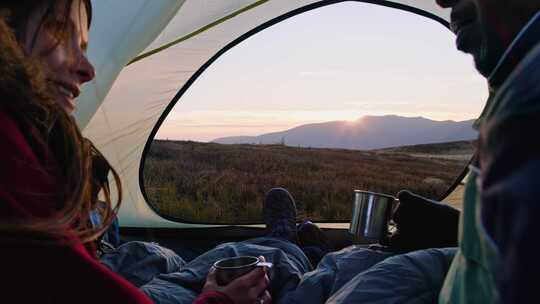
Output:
x,y
229,269
371,215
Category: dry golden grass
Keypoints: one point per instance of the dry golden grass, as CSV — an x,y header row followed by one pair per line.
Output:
x,y
208,182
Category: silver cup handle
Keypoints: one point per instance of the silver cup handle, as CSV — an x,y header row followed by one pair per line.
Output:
x,y
265,264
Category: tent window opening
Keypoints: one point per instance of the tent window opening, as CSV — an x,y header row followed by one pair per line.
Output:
x,y
348,96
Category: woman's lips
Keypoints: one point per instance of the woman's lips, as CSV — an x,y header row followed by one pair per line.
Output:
x,y
70,90
64,91
67,93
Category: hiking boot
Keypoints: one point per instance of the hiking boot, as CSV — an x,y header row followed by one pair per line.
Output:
x,y
279,215
313,242
310,234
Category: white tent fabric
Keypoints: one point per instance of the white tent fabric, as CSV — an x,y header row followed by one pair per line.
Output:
x,y
119,109
119,33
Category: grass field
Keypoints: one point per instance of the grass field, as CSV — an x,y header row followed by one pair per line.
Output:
x,y
208,182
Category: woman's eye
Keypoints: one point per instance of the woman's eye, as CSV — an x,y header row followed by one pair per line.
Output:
x,y
58,28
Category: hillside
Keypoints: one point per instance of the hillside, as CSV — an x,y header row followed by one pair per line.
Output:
x,y
460,150
210,182
367,133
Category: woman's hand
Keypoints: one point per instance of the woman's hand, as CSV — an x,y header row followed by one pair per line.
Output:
x,y
247,289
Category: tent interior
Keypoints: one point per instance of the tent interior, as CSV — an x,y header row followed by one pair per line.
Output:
x,y
147,55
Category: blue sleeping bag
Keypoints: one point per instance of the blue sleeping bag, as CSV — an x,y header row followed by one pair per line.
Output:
x,y
352,275
412,278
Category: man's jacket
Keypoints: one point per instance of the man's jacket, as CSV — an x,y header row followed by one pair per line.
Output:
x,y
499,244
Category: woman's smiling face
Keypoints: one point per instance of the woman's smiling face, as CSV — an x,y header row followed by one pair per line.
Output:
x,y
60,43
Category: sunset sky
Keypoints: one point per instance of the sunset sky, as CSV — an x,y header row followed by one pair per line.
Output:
x,y
336,63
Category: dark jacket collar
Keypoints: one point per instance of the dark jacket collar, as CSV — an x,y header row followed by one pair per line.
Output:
x,y
525,41
516,52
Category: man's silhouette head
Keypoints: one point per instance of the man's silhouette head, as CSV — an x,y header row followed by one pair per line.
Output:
x,y
485,28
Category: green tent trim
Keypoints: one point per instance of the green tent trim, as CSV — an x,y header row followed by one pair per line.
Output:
x,y
197,32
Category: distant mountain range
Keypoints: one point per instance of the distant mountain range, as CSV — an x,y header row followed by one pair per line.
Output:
x,y
368,133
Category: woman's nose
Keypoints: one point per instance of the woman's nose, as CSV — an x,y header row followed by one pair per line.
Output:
x,y
85,71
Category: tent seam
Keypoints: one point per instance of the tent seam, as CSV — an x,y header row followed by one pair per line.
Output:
x,y
197,32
